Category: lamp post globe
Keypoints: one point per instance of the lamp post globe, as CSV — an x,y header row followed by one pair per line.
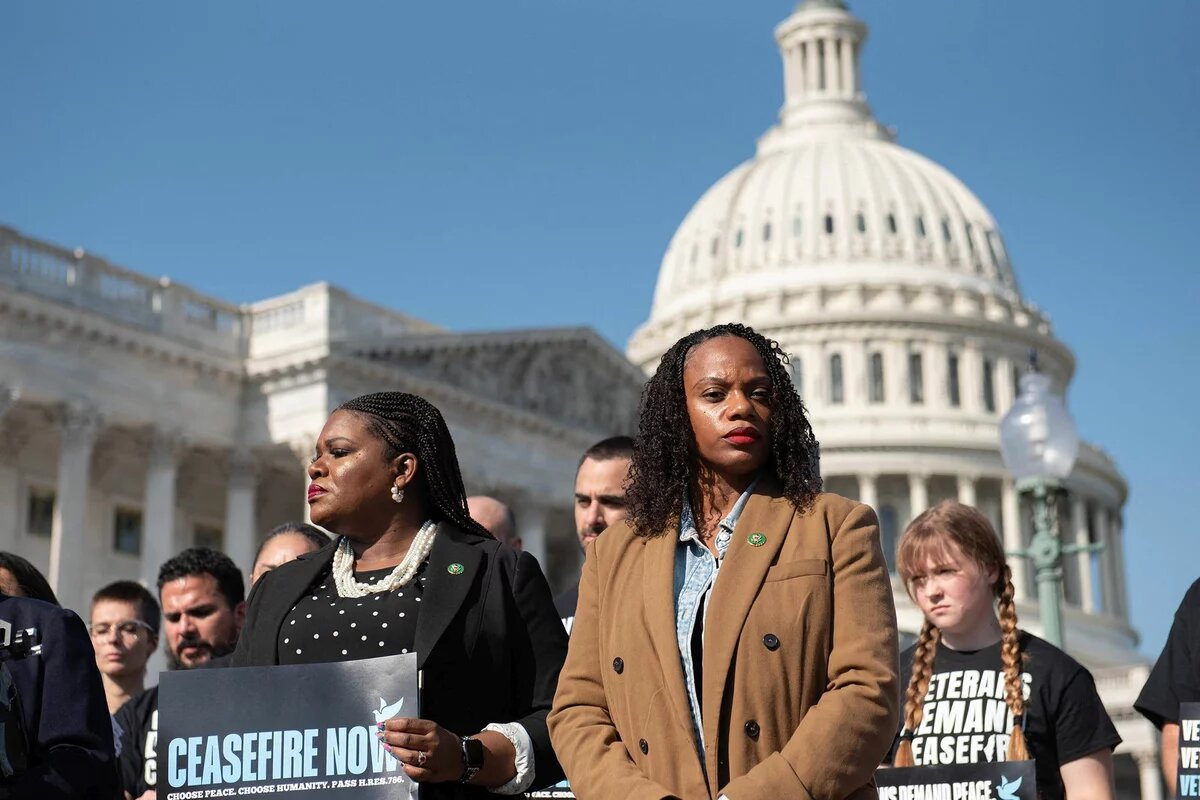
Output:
x,y
1038,439
1039,445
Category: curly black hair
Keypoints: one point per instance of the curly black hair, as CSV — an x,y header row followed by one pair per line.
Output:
x,y
409,423
205,561
664,459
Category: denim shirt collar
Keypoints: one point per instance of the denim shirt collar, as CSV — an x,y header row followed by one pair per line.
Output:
x,y
687,522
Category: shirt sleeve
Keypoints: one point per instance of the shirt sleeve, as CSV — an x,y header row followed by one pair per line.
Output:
x,y
1175,678
130,756
1081,724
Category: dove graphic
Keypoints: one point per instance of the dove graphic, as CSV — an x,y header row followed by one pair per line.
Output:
x,y
386,712
1006,790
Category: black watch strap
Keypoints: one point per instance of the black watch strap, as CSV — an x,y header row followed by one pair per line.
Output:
x,y
472,756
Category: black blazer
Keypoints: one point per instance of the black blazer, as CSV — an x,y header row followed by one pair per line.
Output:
x,y
489,640
62,708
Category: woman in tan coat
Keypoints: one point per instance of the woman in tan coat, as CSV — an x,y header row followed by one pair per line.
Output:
x,y
736,636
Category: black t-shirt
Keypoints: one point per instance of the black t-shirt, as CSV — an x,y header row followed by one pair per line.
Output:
x,y
1175,678
565,605
966,720
138,720
324,627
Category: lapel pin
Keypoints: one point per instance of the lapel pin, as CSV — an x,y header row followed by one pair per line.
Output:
x,y
756,539
455,569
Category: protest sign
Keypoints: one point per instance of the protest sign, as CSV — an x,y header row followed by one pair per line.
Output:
x,y
1000,780
302,731
1188,775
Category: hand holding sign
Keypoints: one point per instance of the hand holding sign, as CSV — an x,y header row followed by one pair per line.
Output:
x,y
429,752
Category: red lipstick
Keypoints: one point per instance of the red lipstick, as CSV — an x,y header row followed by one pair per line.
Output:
x,y
740,437
315,491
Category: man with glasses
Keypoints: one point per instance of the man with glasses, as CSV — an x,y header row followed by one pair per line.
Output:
x,y
124,627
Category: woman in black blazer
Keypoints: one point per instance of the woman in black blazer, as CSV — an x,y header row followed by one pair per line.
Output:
x,y
411,571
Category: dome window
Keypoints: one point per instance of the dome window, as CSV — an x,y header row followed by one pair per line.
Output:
x,y
860,222
829,223
876,384
989,386
916,379
797,226
921,226
891,220
737,239
766,231
990,238
716,245
946,229
837,393
952,389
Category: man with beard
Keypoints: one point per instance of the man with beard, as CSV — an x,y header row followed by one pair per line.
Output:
x,y
203,605
599,502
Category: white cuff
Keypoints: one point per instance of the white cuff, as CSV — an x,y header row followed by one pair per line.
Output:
x,y
516,733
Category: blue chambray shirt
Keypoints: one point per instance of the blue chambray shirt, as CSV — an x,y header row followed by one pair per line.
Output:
x,y
695,573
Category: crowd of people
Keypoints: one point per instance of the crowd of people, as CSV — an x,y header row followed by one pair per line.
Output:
x,y
732,634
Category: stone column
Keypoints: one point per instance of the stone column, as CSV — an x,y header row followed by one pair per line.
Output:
x,y
811,70
241,493
13,441
1118,540
849,79
833,82
1149,775
1079,527
531,527
158,530
868,492
78,426
1108,590
1010,515
966,490
918,494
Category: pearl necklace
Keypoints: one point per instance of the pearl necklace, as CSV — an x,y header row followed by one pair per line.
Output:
x,y
343,565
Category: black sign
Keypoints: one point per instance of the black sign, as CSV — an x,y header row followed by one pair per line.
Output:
x,y
1189,750
304,731
559,791
1001,780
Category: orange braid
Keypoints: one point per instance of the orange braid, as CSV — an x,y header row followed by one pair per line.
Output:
x,y
1010,654
918,684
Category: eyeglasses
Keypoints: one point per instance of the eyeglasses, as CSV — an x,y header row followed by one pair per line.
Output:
x,y
128,629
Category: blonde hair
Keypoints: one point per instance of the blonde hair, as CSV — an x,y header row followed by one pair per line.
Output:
x,y
928,535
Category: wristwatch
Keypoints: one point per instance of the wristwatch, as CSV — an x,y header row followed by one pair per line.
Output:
x,y
472,756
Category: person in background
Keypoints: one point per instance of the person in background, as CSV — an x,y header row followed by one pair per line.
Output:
x,y
735,634
124,626
1175,679
203,605
497,517
285,543
57,735
970,652
599,502
19,578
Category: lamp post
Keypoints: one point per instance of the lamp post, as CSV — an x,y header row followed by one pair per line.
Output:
x,y
1039,445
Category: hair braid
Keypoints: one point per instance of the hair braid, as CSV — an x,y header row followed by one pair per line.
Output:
x,y
408,423
1010,655
918,685
664,454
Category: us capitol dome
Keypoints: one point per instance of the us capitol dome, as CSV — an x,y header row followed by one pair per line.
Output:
x,y
888,283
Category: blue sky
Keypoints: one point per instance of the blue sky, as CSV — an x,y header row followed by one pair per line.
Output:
x,y
524,163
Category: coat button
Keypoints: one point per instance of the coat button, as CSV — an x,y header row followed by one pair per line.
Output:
x,y
752,729
771,641
644,746
618,665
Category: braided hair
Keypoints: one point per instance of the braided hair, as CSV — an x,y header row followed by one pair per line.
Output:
x,y
406,423
663,465
971,531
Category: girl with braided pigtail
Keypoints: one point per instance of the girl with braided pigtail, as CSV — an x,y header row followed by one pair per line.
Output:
x,y
978,687
411,572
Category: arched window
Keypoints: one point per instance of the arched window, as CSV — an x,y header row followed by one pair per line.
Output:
x,y
876,388
829,223
860,222
737,240
989,386
716,244
797,225
952,389
891,220
916,379
766,231
836,391
921,227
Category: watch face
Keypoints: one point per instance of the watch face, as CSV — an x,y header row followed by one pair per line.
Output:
x,y
473,753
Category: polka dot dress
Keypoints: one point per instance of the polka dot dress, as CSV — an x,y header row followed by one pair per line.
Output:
x,y
323,627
